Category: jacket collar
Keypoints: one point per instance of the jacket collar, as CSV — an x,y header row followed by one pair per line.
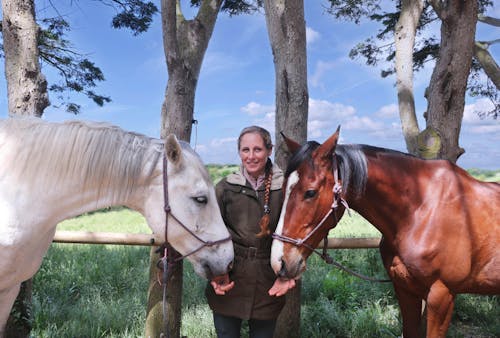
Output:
x,y
238,178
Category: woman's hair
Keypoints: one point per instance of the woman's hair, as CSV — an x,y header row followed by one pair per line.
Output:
x,y
257,130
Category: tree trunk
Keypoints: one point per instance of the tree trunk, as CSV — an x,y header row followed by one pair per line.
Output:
x,y
406,29
446,92
185,43
26,85
287,35
164,316
27,95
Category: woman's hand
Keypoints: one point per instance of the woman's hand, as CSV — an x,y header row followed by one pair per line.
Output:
x,y
281,286
221,284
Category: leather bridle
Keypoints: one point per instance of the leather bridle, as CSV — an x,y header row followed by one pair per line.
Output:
x,y
168,212
163,263
337,200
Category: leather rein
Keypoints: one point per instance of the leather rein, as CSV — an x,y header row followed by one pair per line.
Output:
x,y
163,263
337,200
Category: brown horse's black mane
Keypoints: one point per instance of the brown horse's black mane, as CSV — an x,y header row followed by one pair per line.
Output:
x,y
353,170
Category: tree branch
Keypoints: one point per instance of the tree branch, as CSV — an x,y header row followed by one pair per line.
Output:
x,y
488,20
488,63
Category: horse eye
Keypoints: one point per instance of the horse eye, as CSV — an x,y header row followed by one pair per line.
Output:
x,y
309,194
201,199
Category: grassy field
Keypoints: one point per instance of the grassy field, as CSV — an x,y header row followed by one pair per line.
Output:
x,y
101,290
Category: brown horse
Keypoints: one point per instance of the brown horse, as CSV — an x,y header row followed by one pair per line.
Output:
x,y
440,226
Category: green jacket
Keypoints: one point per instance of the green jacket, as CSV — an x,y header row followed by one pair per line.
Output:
x,y
242,208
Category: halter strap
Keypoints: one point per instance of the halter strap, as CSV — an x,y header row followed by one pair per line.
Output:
x,y
337,199
163,263
168,212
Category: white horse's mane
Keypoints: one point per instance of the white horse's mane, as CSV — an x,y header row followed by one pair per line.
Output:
x,y
50,153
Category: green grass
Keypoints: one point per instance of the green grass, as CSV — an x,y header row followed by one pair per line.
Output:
x,y
101,290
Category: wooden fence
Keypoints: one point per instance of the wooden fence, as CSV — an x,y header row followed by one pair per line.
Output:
x,y
287,324
86,237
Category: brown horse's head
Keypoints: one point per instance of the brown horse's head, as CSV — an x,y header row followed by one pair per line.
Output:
x,y
307,213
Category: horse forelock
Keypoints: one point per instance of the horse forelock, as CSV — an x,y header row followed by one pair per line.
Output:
x,y
303,154
352,164
97,154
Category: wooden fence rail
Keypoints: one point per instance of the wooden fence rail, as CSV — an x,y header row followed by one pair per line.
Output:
x,y
291,312
87,237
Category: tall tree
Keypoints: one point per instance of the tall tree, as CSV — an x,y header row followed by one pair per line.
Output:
x,y
185,43
454,50
76,73
404,36
287,34
446,92
27,96
26,44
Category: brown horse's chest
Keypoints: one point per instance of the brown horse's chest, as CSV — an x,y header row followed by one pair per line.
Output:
x,y
402,276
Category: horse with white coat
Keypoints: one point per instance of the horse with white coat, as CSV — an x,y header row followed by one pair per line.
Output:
x,y
53,171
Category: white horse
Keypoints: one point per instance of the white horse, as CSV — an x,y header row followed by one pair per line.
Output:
x,y
53,171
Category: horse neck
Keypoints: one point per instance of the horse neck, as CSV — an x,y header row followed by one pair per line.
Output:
x,y
385,202
104,190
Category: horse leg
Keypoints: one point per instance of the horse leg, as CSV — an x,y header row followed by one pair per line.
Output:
x,y
7,298
411,312
410,305
440,304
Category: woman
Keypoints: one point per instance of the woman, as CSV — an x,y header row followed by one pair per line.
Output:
x,y
250,201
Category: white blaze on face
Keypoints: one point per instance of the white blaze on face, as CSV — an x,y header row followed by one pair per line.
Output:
x,y
277,246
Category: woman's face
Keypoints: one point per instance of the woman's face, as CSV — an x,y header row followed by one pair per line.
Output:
x,y
253,154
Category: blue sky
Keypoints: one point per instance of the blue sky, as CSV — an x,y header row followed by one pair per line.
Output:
x,y
236,84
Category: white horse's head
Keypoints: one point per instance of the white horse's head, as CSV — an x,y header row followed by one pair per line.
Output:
x,y
195,216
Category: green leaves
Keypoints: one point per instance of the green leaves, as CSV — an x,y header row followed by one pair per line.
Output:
x,y
77,73
136,15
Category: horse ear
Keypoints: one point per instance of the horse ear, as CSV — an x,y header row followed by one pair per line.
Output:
x,y
326,150
291,144
173,150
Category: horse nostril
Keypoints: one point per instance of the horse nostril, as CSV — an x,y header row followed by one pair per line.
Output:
x,y
282,272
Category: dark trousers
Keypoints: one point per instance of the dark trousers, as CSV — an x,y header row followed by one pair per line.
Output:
x,y
230,327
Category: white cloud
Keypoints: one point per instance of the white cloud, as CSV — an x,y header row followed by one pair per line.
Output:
x,y
320,70
219,150
326,110
475,124
324,116
267,122
363,123
312,35
216,62
388,112
471,111
217,142
254,108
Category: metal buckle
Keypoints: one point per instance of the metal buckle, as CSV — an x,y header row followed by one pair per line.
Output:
x,y
252,252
